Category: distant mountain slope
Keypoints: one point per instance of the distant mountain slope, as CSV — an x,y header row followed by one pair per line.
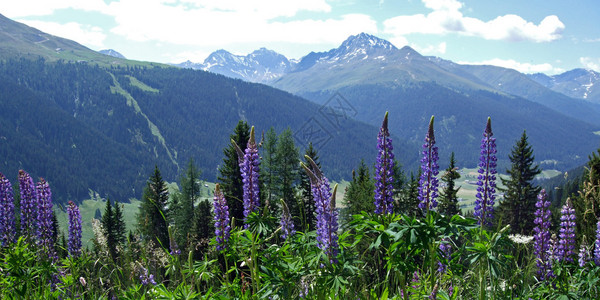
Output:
x,y
261,66
576,83
113,53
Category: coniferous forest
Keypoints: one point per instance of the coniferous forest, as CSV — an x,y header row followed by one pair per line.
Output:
x,y
274,230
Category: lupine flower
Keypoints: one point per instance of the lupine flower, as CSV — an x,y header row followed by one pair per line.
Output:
x,y
172,243
584,253
28,205
434,292
7,212
74,244
566,242
44,220
249,162
597,246
146,278
327,225
222,221
384,171
428,184
303,287
486,184
287,226
541,236
445,248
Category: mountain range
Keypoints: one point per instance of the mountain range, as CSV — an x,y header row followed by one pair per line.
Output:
x,y
576,83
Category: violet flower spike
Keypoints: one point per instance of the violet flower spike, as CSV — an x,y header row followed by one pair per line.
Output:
x,y
44,220
287,226
584,253
74,243
428,183
566,238
542,239
384,171
28,205
486,184
7,212
597,245
249,167
222,221
445,251
327,225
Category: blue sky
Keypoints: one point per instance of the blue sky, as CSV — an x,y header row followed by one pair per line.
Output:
x,y
549,36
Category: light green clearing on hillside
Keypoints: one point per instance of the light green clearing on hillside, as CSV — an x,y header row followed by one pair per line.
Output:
x,y
597,132
140,85
132,103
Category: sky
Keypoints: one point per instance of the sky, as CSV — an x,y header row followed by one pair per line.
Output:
x,y
548,36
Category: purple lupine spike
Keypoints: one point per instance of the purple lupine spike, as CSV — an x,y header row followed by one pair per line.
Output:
x,y
542,242
145,277
287,226
597,245
428,184
74,243
222,221
486,184
173,243
566,238
327,226
584,253
384,171
445,248
28,205
249,167
7,212
44,220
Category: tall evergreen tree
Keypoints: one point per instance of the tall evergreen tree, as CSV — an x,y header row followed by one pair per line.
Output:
x,y
287,173
183,210
152,221
203,228
520,195
108,226
307,200
359,194
399,181
230,177
119,224
587,202
268,167
408,202
448,197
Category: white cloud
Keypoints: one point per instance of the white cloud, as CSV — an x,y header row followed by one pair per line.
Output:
x,y
526,68
431,49
446,18
193,56
90,36
590,63
23,8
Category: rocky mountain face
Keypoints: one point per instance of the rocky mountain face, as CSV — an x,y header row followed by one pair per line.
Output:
x,y
576,83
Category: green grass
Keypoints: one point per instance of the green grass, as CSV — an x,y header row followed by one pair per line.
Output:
x,y
142,86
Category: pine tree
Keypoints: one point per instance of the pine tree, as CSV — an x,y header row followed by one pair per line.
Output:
x,y
399,180
287,173
360,194
587,200
230,176
307,200
108,227
203,228
152,221
448,204
119,224
520,195
408,203
268,167
183,204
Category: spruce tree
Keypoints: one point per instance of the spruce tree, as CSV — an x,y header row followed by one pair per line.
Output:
x,y
268,167
448,203
360,194
152,221
287,173
108,226
203,228
307,200
587,201
408,203
230,177
183,204
520,195
119,224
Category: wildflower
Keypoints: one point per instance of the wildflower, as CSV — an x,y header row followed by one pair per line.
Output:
x,y
445,248
74,244
520,239
44,220
28,204
303,287
383,170
484,204
172,243
7,212
249,162
428,184
542,236
222,222
145,277
566,242
327,225
82,281
287,226
597,246
584,253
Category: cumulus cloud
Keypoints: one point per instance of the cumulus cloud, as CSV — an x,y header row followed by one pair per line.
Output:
x,y
23,8
526,68
590,63
447,18
431,49
91,36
